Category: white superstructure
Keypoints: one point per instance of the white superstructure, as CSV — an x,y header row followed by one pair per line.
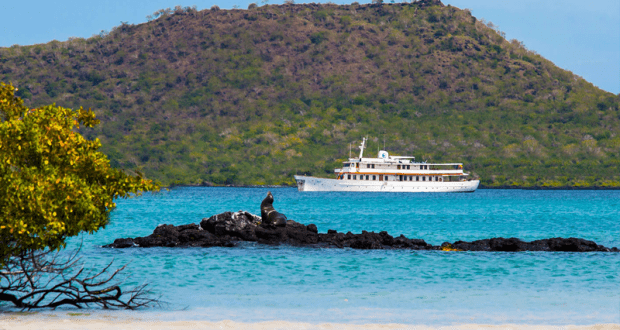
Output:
x,y
391,173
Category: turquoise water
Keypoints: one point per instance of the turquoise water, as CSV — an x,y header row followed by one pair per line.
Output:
x,y
257,283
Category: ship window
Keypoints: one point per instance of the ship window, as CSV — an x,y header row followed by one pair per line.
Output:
x,y
410,178
349,176
417,178
346,165
373,165
408,167
355,177
423,178
367,165
398,167
367,177
440,179
374,177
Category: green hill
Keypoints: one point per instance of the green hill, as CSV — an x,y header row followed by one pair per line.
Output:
x,y
255,96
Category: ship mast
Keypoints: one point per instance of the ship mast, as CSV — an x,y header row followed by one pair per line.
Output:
x,y
362,147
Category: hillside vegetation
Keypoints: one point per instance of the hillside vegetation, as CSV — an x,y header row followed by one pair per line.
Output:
x,y
255,96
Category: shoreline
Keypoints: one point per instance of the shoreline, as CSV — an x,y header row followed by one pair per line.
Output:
x,y
76,321
548,188
480,187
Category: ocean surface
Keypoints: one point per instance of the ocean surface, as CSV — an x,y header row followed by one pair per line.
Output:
x,y
252,283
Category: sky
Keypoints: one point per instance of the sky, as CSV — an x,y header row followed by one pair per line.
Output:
x,y
582,36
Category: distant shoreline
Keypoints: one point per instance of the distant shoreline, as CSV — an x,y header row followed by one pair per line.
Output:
x,y
479,187
548,188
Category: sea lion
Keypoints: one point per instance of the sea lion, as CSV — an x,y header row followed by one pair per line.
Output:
x,y
270,216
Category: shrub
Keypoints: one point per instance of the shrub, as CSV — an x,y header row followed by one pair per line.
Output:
x,y
318,37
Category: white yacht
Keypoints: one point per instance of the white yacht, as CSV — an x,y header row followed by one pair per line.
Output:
x,y
391,174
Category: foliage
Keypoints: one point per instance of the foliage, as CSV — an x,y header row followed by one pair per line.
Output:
x,y
254,96
54,183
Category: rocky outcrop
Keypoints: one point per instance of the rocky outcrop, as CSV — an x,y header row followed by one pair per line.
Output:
x,y
228,229
239,225
558,244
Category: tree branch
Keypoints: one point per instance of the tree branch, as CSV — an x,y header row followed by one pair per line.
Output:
x,y
21,284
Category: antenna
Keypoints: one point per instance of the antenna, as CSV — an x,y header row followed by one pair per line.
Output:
x,y
349,150
362,147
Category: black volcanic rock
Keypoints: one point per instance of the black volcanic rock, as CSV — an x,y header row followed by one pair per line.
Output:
x,y
571,245
239,224
558,244
122,243
228,228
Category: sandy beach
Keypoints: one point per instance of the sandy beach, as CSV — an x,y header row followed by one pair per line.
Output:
x,y
68,322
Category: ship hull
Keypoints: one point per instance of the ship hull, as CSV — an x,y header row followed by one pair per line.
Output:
x,y
309,183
